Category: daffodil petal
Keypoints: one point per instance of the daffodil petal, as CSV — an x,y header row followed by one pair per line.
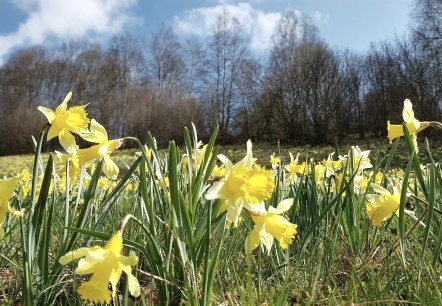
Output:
x,y
86,266
226,162
6,189
114,279
374,198
213,192
233,212
63,106
407,112
49,113
253,240
52,133
380,190
99,131
266,238
134,285
67,140
256,209
130,260
78,253
283,206
247,161
110,168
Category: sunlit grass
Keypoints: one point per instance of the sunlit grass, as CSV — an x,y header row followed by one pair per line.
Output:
x,y
356,227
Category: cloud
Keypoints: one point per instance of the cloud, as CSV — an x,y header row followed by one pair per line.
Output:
x,y
320,18
66,19
257,24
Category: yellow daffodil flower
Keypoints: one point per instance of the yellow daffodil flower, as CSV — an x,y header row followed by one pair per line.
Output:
x,y
148,153
331,166
25,182
294,167
414,126
320,173
74,163
106,265
380,206
270,225
361,161
218,172
102,150
274,161
63,121
397,130
197,156
6,190
241,185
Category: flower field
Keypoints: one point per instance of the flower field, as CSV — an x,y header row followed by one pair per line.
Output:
x,y
204,225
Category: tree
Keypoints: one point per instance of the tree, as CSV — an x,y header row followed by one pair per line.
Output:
x,y
165,63
227,47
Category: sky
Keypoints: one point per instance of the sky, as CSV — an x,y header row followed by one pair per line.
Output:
x,y
352,24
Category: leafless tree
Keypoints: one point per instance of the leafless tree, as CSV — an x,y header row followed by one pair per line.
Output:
x,y
227,47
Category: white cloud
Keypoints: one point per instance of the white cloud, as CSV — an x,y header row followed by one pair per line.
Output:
x,y
320,18
66,19
257,24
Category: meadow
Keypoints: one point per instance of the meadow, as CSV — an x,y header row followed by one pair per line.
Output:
x,y
202,224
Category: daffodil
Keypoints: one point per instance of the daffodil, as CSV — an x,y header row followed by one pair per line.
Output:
x,y
361,161
320,173
197,156
106,265
397,130
102,150
218,172
293,169
6,190
25,182
148,154
414,126
241,185
382,205
63,121
270,225
274,161
74,163
331,166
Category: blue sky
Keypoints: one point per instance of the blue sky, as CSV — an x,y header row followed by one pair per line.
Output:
x,y
350,24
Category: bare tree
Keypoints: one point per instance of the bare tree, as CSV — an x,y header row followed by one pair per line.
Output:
x,y
249,91
227,47
166,64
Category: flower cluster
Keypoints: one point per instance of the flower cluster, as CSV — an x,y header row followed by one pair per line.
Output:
x,y
63,122
247,185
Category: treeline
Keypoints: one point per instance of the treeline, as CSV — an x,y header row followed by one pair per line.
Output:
x,y
302,91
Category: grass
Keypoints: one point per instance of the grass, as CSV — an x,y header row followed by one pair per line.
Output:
x,y
188,256
14,164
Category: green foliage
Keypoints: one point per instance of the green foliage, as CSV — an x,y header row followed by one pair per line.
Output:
x,y
188,255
